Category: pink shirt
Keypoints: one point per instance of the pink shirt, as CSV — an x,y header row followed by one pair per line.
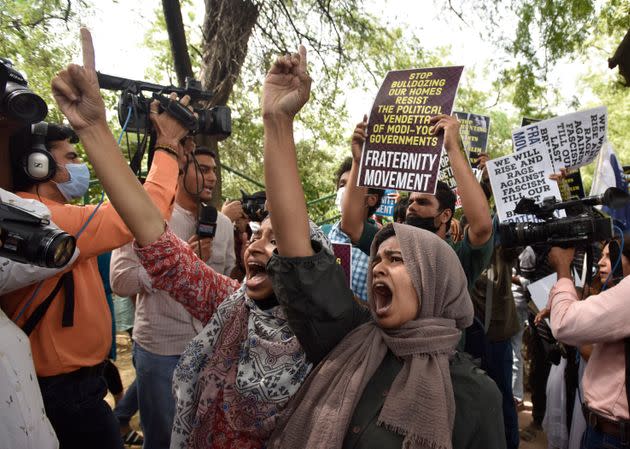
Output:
x,y
604,321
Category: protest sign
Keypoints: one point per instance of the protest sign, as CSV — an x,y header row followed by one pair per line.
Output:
x,y
446,176
400,152
539,291
474,133
343,254
474,130
574,181
518,175
388,202
571,140
573,178
473,158
446,171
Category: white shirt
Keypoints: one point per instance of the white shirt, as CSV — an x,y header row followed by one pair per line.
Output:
x,y
23,421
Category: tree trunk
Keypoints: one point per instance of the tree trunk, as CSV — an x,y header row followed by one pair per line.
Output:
x,y
177,38
227,27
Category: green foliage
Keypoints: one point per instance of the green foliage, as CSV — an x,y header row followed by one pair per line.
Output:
x,y
348,49
547,31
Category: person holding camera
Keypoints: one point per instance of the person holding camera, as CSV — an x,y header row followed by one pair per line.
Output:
x,y
238,374
602,320
67,316
163,327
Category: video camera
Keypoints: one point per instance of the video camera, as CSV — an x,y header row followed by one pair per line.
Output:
x,y
24,236
254,205
134,107
28,238
583,224
17,101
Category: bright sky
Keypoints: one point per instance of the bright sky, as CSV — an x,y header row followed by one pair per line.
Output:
x,y
119,30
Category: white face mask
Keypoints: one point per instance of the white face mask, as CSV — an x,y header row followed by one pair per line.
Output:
x,y
339,198
78,184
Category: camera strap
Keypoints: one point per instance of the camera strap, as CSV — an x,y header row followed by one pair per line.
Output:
x,y
67,320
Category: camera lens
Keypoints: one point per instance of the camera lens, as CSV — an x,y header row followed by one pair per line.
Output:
x,y
22,104
57,248
27,243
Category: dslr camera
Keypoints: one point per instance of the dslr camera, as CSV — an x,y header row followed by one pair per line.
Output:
x,y
17,101
583,223
134,107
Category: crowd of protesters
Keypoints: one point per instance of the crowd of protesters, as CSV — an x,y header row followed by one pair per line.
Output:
x,y
255,338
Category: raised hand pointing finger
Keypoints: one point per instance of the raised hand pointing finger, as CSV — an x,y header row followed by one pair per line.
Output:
x,y
88,50
77,92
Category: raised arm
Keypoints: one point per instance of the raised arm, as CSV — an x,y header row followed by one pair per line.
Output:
x,y
353,207
77,93
175,268
286,89
474,201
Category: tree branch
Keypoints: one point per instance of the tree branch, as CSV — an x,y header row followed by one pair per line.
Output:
x,y
177,39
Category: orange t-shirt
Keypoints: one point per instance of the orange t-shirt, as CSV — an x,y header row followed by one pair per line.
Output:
x,y
57,349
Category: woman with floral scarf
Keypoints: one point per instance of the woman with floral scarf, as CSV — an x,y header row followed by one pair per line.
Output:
x,y
240,371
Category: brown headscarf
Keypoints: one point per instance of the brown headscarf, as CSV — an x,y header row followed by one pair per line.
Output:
x,y
420,404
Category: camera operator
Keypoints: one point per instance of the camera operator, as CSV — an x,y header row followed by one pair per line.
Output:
x,y
23,423
68,314
163,327
602,320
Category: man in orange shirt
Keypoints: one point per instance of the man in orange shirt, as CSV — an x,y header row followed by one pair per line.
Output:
x,y
72,336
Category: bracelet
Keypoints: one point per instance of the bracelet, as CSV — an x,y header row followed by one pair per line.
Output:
x,y
168,149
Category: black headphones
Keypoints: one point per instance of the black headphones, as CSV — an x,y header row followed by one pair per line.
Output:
x,y
39,165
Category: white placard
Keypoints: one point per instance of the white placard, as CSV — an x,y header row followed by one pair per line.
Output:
x,y
519,175
539,291
572,140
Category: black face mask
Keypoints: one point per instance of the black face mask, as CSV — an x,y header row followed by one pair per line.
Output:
x,y
426,223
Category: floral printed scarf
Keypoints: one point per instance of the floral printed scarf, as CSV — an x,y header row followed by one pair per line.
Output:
x,y
246,358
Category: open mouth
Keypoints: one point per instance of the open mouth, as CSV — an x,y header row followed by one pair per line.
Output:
x,y
382,298
256,274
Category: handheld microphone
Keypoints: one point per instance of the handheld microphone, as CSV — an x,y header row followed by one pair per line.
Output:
x,y
207,224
